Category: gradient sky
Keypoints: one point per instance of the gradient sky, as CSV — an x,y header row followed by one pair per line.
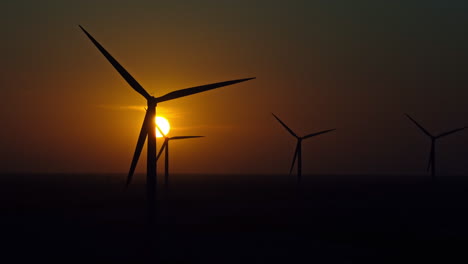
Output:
x,y
352,65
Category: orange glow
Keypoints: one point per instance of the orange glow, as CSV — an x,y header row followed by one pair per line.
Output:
x,y
163,124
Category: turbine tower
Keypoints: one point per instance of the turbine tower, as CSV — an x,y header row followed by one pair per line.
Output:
x,y
148,129
431,163
298,151
165,147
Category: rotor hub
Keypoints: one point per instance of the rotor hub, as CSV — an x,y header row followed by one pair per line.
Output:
x,y
152,102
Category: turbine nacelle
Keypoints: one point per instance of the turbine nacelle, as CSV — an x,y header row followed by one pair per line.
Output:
x,y
152,102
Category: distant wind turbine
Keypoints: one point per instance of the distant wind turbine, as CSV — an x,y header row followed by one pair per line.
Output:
x,y
298,151
148,127
431,163
165,146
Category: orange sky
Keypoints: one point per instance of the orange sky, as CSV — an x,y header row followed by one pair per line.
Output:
x,y
318,66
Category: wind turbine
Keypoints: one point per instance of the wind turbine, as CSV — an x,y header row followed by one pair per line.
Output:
x,y
148,127
431,163
165,146
298,151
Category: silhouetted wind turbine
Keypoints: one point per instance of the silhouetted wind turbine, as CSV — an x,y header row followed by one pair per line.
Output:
x,y
431,163
165,146
148,127
298,151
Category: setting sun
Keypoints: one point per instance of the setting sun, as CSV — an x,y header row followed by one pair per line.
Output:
x,y
163,124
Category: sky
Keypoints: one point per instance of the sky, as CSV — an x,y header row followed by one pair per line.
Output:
x,y
356,66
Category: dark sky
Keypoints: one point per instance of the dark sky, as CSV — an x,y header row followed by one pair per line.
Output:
x,y
352,65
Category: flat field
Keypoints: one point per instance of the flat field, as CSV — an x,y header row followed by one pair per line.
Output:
x,y
235,219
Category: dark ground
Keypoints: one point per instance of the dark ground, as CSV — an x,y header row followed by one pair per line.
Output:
x,y
235,219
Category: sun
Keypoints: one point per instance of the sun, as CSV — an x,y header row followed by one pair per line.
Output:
x,y
163,124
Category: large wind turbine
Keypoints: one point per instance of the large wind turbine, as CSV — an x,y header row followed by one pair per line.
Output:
x,y
431,163
148,127
298,151
165,146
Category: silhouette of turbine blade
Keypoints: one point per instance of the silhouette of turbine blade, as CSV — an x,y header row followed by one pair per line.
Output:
x,y
197,89
450,132
285,126
184,137
295,157
139,147
160,131
166,140
318,133
130,80
417,124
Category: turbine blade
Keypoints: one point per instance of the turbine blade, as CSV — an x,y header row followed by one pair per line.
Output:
x,y
197,89
130,80
139,147
422,128
184,137
318,133
160,131
450,132
285,126
295,156
166,140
